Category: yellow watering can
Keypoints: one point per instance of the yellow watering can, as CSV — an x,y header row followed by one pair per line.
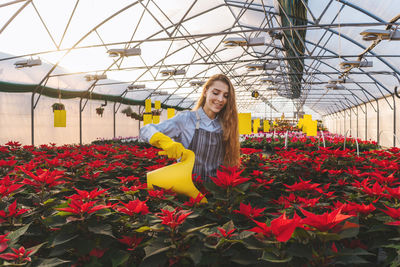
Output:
x,y
177,177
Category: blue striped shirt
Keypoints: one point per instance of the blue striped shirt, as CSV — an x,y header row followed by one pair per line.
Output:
x,y
181,128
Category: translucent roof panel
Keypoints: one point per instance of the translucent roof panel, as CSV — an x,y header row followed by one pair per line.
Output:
x,y
308,42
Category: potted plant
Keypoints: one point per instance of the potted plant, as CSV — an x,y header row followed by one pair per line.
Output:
x,y
127,111
99,111
58,106
156,112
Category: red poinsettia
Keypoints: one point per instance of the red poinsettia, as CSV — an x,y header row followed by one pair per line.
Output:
x,y
20,255
85,195
157,193
97,252
128,179
194,201
392,212
302,186
7,186
229,177
131,241
173,218
282,227
3,242
79,207
326,221
377,190
43,178
300,201
134,207
393,192
8,163
249,211
263,183
134,188
13,212
224,234
354,208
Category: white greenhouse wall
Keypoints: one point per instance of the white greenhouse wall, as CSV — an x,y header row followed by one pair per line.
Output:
x,y
15,121
346,122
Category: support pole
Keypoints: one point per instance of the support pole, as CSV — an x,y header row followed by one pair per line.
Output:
x,y
394,121
377,122
344,122
366,122
80,121
114,111
357,122
33,119
351,129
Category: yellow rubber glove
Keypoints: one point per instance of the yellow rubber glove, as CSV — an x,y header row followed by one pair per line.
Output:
x,y
172,149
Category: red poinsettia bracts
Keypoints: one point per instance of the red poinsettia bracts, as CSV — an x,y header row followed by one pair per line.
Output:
x,y
134,207
131,241
3,242
223,233
173,218
85,195
326,221
392,212
194,201
249,211
393,192
13,212
282,227
43,178
20,255
300,201
79,207
8,187
355,209
302,186
229,177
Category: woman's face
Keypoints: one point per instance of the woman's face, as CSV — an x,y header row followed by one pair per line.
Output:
x,y
216,97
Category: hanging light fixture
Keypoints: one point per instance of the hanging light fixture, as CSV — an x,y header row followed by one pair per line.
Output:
x,y
92,77
28,63
374,34
124,52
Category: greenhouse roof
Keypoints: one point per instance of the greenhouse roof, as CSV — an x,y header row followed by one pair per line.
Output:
x,y
318,55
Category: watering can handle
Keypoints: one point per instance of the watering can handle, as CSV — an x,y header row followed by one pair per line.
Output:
x,y
185,155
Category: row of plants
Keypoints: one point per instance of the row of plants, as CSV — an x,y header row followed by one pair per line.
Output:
x,y
90,206
294,139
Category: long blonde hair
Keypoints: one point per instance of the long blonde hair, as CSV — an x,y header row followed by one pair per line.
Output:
x,y
228,117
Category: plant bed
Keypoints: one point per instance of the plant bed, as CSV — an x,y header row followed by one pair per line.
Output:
x,y
89,206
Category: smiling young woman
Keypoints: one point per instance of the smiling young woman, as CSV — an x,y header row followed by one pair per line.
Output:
x,y
210,130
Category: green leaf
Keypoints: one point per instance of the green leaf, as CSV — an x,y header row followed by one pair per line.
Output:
x,y
36,248
300,250
195,253
350,259
13,236
52,262
273,258
156,258
62,238
119,257
50,200
356,251
101,229
194,229
143,229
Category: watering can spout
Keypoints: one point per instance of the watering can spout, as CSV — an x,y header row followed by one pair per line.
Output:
x,y
177,177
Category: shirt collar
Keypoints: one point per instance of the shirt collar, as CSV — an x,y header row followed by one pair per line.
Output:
x,y
205,119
